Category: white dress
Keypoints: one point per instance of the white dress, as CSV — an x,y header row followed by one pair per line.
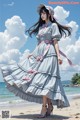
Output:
x,y
39,74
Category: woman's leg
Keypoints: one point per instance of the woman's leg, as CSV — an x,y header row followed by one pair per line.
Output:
x,y
44,105
44,108
44,100
49,100
50,106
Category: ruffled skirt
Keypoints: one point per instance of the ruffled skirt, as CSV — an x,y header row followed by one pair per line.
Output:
x,y
34,78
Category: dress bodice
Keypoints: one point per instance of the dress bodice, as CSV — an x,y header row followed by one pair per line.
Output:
x,y
48,31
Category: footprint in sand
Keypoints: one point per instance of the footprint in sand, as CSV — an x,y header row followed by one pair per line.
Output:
x,y
77,113
76,117
21,113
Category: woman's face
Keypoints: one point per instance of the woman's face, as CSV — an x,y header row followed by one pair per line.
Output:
x,y
44,16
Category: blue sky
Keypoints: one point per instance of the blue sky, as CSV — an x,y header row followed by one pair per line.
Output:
x,y
27,10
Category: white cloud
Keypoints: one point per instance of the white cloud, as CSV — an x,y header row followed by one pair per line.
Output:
x,y
69,45
11,4
9,55
61,14
12,39
16,32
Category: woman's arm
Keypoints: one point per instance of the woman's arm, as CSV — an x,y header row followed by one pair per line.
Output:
x,y
57,51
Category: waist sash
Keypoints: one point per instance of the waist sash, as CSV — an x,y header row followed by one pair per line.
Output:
x,y
47,48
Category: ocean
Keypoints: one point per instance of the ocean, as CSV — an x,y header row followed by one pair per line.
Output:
x,y
8,97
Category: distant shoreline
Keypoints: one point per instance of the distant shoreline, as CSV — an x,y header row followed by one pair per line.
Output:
x,y
71,85
21,102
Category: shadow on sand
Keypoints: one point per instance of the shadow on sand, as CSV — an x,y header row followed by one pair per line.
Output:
x,y
34,117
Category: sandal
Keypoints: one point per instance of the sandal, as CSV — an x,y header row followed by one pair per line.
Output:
x,y
49,109
43,114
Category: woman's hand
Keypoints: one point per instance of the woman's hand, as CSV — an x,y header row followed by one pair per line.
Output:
x,y
60,60
29,56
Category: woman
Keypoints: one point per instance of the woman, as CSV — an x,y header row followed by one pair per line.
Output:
x,y
37,79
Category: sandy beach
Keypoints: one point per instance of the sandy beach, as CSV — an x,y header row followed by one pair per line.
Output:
x,y
31,111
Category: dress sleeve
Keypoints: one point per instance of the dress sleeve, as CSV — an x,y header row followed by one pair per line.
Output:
x,y
55,32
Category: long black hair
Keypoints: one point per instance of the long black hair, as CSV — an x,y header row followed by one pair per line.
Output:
x,y
35,28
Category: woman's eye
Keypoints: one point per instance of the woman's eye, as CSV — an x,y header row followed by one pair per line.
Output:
x,y
43,13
